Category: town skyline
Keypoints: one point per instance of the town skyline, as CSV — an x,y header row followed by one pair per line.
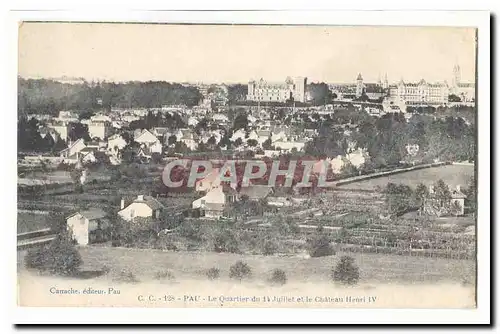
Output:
x,y
143,52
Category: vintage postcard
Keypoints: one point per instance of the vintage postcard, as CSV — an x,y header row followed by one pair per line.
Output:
x,y
175,165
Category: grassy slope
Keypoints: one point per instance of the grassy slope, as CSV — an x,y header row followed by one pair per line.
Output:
x,y
452,175
373,267
27,222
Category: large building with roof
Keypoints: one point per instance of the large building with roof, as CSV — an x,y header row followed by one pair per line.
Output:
x,y
291,89
466,91
421,92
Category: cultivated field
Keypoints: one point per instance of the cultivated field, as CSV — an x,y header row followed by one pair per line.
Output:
x,y
452,175
29,222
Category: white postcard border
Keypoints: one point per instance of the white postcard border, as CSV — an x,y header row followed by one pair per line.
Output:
x,y
478,19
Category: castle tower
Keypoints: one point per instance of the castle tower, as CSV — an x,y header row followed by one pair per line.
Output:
x,y
359,85
299,92
456,76
386,82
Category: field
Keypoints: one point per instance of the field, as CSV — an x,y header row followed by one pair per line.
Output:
x,y
397,281
29,222
452,175
374,268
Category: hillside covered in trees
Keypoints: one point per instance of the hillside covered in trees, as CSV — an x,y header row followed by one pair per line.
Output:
x,y
49,97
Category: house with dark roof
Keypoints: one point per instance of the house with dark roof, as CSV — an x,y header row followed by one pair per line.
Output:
x,y
143,206
255,192
88,226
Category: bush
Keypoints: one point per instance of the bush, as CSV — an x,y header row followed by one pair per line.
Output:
x,y
60,257
278,277
126,277
269,247
346,271
213,273
240,270
320,246
225,242
164,275
191,230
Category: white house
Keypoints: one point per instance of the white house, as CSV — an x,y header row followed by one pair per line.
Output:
x,y
45,131
88,157
145,137
212,204
240,133
256,192
142,206
212,180
458,197
358,157
189,138
99,129
67,116
286,145
73,149
100,118
278,136
148,140
220,118
336,164
116,143
88,226
61,128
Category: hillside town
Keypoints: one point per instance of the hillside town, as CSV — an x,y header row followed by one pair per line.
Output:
x,y
97,145
271,173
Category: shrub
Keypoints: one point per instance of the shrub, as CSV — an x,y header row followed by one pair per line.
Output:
x,y
346,271
225,242
191,230
213,273
278,277
269,247
60,257
125,276
164,275
240,270
320,246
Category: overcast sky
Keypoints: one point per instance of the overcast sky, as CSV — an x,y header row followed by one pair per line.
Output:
x,y
227,53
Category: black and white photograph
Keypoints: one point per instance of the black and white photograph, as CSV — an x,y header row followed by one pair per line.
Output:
x,y
209,165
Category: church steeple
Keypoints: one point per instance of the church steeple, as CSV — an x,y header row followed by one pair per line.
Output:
x,y
359,85
456,75
386,82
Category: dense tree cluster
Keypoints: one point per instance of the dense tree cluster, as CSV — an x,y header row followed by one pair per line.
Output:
x,y
386,138
320,93
237,93
400,198
29,138
49,97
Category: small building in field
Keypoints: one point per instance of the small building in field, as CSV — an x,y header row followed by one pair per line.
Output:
x,y
256,192
212,204
89,226
458,200
455,206
143,206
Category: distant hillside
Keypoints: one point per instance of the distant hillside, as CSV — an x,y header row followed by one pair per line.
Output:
x,y
44,96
